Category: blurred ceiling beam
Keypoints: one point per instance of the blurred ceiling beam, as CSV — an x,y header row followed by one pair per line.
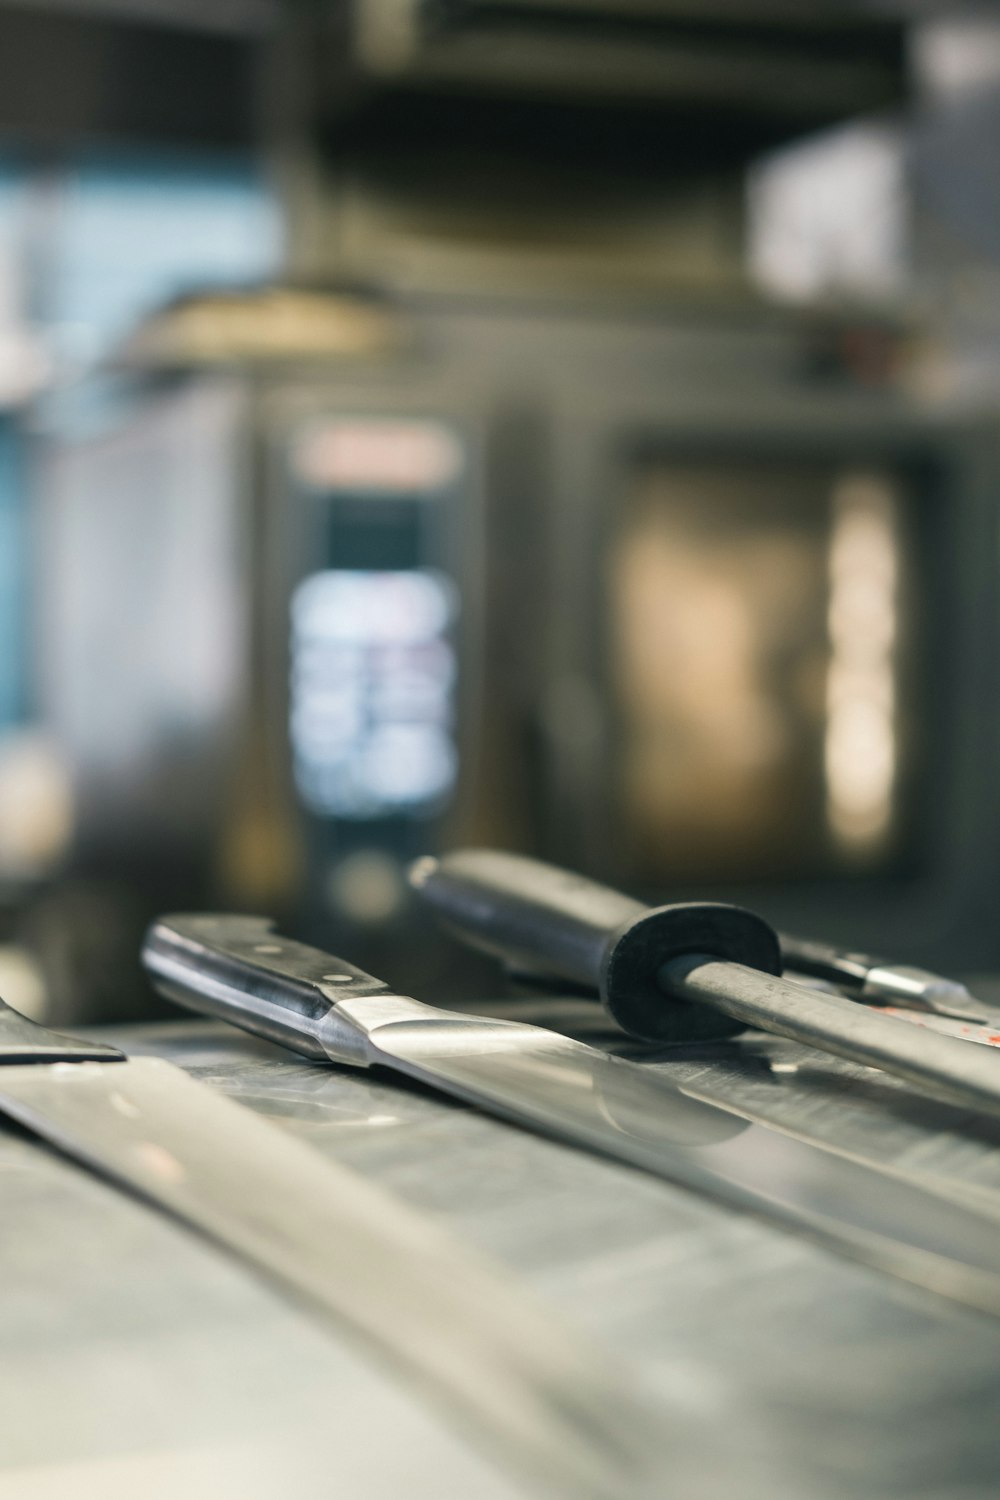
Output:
x,y
75,69
233,17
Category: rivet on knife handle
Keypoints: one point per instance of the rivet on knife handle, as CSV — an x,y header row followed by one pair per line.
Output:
x,y
549,921
243,973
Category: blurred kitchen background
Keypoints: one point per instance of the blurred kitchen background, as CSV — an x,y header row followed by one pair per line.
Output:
x,y
571,425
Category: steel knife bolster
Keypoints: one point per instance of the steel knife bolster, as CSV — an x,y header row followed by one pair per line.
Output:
x,y
237,968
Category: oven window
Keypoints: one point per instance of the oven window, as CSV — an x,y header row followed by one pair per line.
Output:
x,y
756,646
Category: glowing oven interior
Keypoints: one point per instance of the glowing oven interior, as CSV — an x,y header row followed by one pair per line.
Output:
x,y
762,619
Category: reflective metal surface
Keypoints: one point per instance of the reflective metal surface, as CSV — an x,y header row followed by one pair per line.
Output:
x,y
543,1401
238,968
984,1033
138,1361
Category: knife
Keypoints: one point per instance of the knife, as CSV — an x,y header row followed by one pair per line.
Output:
x,y
888,984
539,1397
238,969
682,972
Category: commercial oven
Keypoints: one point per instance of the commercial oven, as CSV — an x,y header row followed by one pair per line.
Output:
x,y
661,596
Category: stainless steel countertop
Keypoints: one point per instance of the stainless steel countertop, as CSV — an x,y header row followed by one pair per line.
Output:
x,y
137,1360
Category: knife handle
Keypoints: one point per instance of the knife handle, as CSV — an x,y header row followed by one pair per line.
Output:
x,y
824,961
546,920
238,969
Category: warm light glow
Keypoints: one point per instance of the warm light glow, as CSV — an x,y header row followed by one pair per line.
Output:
x,y
860,750
378,456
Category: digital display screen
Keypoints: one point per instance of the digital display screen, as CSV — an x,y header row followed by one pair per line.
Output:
x,y
373,661
373,679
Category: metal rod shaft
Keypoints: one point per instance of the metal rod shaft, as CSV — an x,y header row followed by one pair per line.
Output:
x,y
940,1065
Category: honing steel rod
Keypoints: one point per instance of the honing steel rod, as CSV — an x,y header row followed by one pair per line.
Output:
x,y
686,971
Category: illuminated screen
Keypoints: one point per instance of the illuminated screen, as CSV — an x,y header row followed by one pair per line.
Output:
x,y
759,642
373,660
373,675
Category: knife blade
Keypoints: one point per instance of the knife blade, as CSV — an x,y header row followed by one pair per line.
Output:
x,y
540,1398
976,1032
682,971
237,968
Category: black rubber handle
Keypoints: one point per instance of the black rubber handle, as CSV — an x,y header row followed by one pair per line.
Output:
x,y
546,920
